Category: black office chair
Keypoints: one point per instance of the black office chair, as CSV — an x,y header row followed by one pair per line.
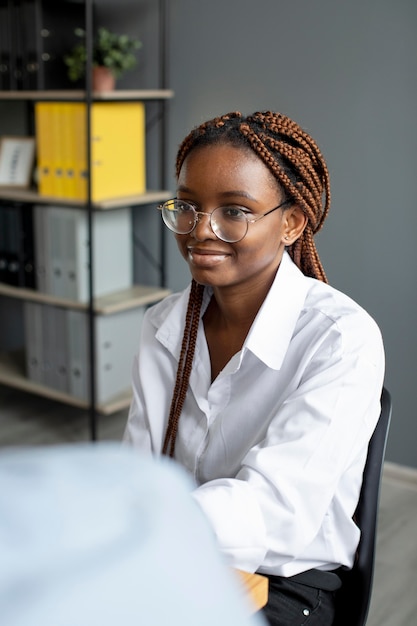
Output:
x,y
353,599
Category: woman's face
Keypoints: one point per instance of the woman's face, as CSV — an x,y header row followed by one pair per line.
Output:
x,y
224,175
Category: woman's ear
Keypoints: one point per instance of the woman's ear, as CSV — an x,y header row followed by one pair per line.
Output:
x,y
294,223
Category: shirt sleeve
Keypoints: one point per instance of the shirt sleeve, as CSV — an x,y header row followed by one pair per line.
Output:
x,y
137,431
153,375
151,392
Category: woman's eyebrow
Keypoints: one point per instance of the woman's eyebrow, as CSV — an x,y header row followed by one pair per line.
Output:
x,y
225,194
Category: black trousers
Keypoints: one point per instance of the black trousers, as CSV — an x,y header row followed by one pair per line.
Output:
x,y
295,603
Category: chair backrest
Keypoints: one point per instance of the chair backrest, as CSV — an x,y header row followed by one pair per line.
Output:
x,y
353,599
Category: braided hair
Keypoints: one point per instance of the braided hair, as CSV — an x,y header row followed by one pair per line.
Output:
x,y
296,162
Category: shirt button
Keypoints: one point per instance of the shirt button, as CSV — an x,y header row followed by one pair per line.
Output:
x,y
306,612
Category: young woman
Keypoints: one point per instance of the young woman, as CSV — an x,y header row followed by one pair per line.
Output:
x,y
260,378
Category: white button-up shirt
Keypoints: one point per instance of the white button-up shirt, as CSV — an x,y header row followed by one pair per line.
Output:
x,y
277,442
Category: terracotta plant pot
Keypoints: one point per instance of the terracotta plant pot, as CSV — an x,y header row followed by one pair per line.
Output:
x,y
103,79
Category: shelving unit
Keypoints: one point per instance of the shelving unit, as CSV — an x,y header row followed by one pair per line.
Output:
x,y
12,365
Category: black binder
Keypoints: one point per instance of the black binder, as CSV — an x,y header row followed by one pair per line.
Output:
x,y
18,43
32,52
17,245
5,44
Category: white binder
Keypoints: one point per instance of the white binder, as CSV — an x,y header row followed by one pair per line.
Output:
x,y
33,324
56,348
41,254
78,354
59,235
117,338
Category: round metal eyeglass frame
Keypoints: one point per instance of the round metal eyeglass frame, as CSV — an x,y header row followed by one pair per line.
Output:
x,y
171,205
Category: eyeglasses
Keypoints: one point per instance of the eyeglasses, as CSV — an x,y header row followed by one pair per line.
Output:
x,y
228,223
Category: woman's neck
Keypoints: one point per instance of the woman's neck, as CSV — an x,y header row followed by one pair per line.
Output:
x,y
239,305
227,321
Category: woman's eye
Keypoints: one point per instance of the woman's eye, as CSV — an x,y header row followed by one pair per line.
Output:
x,y
233,213
184,207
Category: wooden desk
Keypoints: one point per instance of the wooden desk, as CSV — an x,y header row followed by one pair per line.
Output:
x,y
256,587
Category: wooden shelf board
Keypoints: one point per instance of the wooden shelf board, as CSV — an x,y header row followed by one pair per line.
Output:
x,y
150,197
135,296
32,196
138,295
12,374
117,403
78,94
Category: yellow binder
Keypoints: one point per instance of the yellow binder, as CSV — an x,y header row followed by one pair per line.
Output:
x,y
68,150
117,149
44,148
57,133
78,130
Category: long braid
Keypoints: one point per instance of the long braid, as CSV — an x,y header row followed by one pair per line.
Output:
x,y
304,158
184,366
296,162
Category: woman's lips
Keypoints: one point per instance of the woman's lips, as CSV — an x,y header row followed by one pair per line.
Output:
x,y
206,257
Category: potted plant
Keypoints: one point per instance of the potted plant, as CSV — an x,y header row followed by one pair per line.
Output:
x,y
112,54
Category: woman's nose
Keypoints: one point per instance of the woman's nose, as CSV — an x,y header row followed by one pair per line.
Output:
x,y
202,229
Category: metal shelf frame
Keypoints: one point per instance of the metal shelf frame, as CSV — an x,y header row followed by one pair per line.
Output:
x,y
89,98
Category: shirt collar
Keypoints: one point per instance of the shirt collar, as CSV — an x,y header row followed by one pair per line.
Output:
x,y
274,324
271,332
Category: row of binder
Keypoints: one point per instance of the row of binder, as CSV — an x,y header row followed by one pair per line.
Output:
x,y
33,41
62,251
117,141
57,349
47,248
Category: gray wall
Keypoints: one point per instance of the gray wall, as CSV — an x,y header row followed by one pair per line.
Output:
x,y
346,71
